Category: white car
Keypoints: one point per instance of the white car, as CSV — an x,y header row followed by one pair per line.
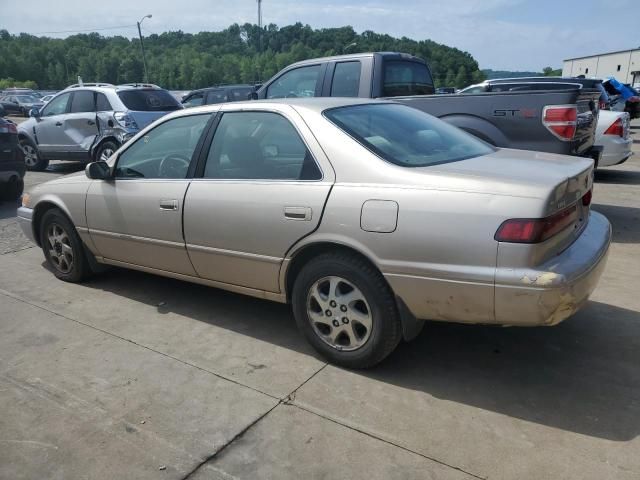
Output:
x,y
612,133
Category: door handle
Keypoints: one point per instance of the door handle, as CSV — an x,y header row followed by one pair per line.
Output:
x,y
298,213
58,124
168,204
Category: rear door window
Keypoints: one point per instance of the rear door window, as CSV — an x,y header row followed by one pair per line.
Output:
x,y
406,78
149,100
240,94
194,100
83,101
102,104
300,82
346,79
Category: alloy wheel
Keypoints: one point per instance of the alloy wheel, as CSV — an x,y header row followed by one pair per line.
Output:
x,y
339,313
30,155
106,154
60,250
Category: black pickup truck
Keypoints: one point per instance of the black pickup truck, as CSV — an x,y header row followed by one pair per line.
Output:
x,y
560,120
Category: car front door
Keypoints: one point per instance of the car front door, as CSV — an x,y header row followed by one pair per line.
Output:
x,y
80,127
50,127
136,217
262,188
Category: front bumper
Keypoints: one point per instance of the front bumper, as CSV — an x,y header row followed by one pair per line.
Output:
x,y
550,293
25,216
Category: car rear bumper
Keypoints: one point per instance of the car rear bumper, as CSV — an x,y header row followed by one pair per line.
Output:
x,y
550,293
616,150
25,216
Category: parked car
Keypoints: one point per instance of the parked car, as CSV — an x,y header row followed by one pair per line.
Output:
x,y
90,121
12,168
221,94
445,90
556,120
20,104
613,135
21,91
366,216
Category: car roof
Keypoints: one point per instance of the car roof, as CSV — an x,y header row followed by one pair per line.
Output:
x,y
355,56
220,87
315,104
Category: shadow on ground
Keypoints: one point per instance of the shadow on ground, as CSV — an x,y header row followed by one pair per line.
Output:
x,y
581,376
620,177
625,222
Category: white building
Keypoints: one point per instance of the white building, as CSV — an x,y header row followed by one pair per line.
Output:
x,y
624,65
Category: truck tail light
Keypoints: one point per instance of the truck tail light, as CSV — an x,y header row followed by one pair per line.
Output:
x,y
586,198
616,128
561,120
536,230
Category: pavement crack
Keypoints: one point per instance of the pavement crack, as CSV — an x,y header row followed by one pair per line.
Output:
x,y
387,441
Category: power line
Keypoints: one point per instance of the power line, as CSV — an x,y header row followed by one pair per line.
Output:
x,y
86,30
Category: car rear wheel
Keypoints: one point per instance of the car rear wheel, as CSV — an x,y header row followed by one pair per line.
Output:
x,y
105,151
346,310
63,248
32,158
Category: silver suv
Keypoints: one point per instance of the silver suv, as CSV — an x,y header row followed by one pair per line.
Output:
x,y
90,121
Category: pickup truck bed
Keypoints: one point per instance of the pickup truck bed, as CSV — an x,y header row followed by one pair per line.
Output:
x,y
514,119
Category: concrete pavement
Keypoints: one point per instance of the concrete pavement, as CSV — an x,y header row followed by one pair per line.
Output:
x,y
227,388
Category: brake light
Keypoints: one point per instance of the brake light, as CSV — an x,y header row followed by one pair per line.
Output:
x,y
8,128
536,230
586,198
616,128
561,120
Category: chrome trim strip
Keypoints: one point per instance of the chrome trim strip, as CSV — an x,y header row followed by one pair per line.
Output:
x,y
234,253
275,297
134,238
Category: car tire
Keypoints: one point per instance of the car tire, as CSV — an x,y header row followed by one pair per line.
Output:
x,y
32,158
63,248
374,329
104,150
13,190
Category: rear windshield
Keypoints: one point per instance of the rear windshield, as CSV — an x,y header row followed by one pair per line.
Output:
x,y
149,100
406,78
406,136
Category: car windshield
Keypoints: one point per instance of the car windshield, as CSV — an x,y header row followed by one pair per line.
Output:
x,y
149,100
27,99
406,136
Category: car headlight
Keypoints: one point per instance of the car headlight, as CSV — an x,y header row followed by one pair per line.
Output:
x,y
26,199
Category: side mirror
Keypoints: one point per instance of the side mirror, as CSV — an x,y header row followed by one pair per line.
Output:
x,y
253,95
34,112
98,171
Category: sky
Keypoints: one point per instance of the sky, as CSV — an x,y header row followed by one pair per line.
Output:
x,y
500,34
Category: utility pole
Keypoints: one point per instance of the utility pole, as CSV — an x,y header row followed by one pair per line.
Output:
x,y
259,26
144,59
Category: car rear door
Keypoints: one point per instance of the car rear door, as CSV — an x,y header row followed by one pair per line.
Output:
x,y
80,125
261,187
135,218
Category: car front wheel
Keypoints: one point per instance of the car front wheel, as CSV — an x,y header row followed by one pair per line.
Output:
x,y
105,151
32,158
346,310
63,248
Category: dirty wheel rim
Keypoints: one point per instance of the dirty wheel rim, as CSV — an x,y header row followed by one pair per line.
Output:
x,y
30,155
339,313
60,249
106,154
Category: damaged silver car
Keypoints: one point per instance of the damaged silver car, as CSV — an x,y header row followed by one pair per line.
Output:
x,y
88,122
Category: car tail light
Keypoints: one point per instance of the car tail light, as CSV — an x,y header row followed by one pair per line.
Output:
x,y
561,120
125,120
616,128
536,230
8,128
586,198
